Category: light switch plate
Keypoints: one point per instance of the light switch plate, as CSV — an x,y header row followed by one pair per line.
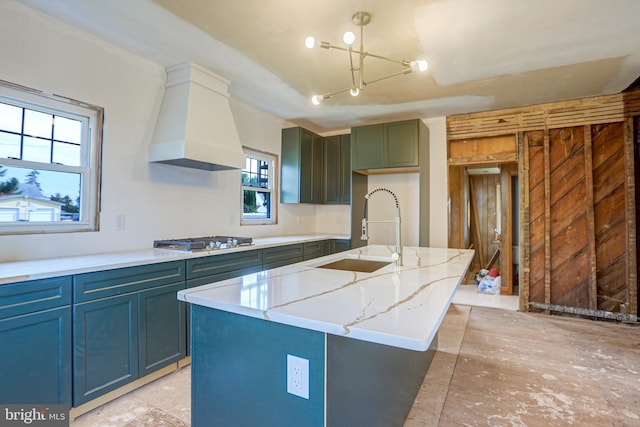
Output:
x,y
298,376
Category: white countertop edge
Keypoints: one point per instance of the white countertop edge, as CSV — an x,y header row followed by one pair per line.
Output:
x,y
405,342
22,271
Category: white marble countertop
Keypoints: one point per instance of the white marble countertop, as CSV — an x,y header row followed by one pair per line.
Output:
x,y
398,306
19,271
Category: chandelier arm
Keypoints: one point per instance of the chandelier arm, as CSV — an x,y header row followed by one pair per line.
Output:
x,y
329,95
404,71
353,76
362,55
397,61
373,55
331,46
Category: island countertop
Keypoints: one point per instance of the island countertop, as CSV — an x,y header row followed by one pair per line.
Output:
x,y
397,306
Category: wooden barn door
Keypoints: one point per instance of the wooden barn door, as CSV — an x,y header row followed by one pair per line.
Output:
x,y
576,188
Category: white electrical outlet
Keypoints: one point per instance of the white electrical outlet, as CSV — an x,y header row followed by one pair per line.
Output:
x,y
298,376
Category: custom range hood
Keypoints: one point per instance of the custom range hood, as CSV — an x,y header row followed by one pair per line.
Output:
x,y
195,127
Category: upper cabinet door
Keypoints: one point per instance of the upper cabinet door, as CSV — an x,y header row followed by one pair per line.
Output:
x,y
332,170
345,169
302,168
367,149
401,144
387,145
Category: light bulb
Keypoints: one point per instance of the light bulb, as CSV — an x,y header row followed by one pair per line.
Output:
x,y
310,42
349,38
354,91
420,65
315,99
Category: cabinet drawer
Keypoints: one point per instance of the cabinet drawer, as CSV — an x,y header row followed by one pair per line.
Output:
x,y
282,255
35,295
218,264
340,245
90,286
316,249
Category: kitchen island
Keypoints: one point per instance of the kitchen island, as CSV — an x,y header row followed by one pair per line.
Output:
x,y
312,346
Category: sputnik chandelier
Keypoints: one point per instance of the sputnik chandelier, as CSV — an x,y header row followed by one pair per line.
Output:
x,y
357,84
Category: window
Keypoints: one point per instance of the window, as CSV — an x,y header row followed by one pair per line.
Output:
x,y
258,189
49,162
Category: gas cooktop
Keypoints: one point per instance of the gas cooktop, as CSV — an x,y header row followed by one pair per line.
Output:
x,y
203,243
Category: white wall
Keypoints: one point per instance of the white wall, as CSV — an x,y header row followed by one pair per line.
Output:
x,y
157,201
438,179
381,207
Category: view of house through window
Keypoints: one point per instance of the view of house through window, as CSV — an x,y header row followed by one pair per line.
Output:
x,y
48,163
258,188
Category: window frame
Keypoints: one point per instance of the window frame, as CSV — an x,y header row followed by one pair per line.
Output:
x,y
89,169
273,187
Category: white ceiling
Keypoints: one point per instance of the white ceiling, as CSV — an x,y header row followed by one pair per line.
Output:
x,y
482,55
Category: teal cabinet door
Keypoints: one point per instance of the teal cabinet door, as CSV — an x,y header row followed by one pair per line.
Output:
x,y
35,338
337,170
340,245
306,172
367,147
302,168
280,256
345,170
35,366
316,249
105,346
201,271
161,333
387,145
401,144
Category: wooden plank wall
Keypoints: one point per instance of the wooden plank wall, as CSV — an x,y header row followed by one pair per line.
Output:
x,y
577,199
610,224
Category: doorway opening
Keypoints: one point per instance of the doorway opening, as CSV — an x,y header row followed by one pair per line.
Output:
x,y
484,215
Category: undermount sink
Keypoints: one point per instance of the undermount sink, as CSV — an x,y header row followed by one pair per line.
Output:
x,y
356,264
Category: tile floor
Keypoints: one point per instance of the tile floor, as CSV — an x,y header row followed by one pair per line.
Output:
x,y
494,367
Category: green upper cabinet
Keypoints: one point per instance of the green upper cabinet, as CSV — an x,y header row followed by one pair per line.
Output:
x,y
337,170
315,169
386,145
367,148
302,170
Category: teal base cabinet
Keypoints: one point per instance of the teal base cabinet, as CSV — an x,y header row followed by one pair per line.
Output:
x,y
35,337
239,375
214,268
210,269
105,346
340,245
127,324
279,256
161,328
316,249
239,368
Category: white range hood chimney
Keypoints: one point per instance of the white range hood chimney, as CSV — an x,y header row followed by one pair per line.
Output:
x,y
195,127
